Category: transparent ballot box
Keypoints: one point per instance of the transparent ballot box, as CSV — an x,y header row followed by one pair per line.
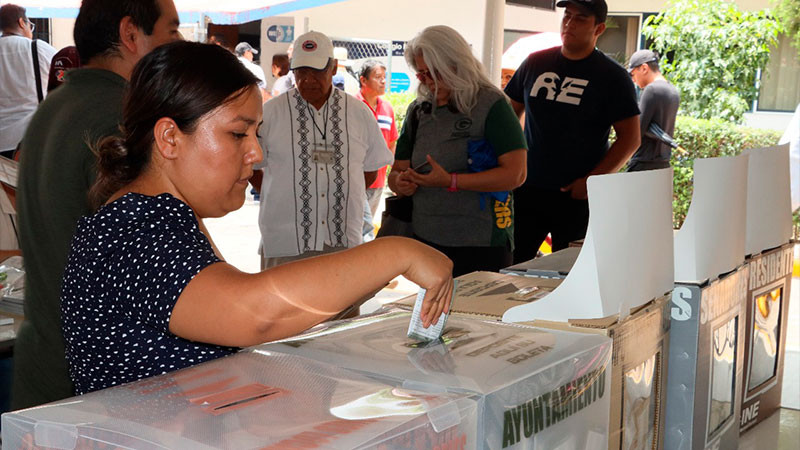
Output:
x,y
250,400
538,388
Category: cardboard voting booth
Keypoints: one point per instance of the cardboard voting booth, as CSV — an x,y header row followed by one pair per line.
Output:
x,y
770,264
250,400
711,240
618,286
706,344
626,259
537,388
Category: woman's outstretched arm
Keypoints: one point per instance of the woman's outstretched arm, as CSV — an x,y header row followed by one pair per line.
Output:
x,y
225,306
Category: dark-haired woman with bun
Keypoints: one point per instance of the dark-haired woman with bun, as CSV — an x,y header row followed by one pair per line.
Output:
x,y
144,292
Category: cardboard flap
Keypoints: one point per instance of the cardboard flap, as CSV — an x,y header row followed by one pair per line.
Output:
x,y
711,240
626,259
555,265
769,210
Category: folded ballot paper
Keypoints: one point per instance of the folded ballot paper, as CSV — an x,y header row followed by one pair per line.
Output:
x,y
433,332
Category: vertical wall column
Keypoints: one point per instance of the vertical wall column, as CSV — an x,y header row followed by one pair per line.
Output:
x,y
493,38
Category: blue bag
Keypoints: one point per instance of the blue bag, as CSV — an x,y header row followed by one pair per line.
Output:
x,y
481,156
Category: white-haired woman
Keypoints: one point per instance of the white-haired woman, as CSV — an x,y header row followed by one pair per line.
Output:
x,y
460,153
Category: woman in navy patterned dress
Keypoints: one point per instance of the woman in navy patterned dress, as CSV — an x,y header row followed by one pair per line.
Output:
x,y
144,290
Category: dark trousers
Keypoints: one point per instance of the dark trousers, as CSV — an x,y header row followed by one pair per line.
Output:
x,y
538,212
472,259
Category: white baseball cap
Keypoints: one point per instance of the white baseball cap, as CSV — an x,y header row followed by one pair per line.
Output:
x,y
313,50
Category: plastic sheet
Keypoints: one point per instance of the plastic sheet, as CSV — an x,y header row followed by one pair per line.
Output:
x,y
250,400
539,388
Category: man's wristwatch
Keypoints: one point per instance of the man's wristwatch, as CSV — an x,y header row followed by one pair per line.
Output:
x,y
453,183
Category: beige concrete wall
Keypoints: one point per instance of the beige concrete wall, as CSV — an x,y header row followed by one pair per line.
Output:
x,y
61,32
531,19
480,22
370,19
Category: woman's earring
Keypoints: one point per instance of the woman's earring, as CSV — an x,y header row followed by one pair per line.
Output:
x,y
168,136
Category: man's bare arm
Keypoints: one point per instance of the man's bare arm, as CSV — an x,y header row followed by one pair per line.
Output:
x,y
370,177
628,140
519,108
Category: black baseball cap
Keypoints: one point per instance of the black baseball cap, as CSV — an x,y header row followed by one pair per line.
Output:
x,y
597,7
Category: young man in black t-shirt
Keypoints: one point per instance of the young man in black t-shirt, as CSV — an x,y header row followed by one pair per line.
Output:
x,y
571,96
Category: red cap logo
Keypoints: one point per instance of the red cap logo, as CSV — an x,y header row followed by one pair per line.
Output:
x,y
309,46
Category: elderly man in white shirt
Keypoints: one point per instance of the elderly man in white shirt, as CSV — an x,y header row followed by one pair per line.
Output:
x,y
19,97
322,148
244,51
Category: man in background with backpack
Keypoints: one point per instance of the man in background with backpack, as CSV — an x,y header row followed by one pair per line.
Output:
x,y
24,71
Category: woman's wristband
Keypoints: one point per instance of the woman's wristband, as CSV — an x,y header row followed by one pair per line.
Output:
x,y
453,183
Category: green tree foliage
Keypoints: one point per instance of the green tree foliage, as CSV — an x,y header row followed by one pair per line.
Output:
x,y
708,139
400,102
712,52
788,12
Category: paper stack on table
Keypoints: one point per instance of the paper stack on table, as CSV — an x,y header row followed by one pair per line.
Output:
x,y
12,286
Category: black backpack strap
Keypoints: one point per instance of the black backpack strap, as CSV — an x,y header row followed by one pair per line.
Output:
x,y
36,73
413,122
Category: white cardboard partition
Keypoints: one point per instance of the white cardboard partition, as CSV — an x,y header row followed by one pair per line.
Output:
x,y
626,258
769,211
711,240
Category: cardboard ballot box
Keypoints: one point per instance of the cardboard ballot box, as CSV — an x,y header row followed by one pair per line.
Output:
x,y
578,243
769,230
250,400
538,388
767,309
740,206
706,344
617,286
640,349
705,363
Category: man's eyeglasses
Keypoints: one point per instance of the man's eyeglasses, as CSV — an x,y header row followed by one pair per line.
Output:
x,y
423,75
31,25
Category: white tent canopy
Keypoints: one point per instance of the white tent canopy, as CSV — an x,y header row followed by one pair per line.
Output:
x,y
220,12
